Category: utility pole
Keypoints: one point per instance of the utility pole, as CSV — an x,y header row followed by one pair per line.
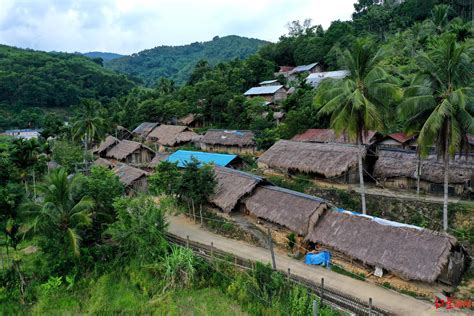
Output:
x,y
271,248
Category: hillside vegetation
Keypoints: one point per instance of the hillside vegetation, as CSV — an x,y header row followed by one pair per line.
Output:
x,y
104,55
177,62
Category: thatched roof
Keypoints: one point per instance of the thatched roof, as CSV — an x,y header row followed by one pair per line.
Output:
x,y
416,254
325,135
171,135
128,174
123,133
297,211
125,148
105,145
159,157
104,163
188,119
329,160
232,185
144,129
229,138
397,163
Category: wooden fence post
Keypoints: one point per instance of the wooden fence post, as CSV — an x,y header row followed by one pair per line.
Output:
x,y
271,248
315,308
370,306
187,241
212,251
289,274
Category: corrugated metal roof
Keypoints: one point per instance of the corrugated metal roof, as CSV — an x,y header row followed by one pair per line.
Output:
x,y
316,78
184,156
268,82
263,90
303,68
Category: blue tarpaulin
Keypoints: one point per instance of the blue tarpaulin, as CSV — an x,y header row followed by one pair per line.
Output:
x,y
184,156
321,258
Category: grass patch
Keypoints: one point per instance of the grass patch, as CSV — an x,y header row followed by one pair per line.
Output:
x,y
338,269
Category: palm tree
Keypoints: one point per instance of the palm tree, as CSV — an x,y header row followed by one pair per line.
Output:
x,y
440,17
58,214
89,124
437,102
355,103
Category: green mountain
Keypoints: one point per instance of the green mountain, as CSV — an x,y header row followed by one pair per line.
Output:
x,y
31,78
177,62
104,55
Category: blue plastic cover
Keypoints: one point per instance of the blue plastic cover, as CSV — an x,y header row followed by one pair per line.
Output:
x,y
184,156
321,258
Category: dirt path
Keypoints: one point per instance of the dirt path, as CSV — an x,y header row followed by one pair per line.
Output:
x,y
389,300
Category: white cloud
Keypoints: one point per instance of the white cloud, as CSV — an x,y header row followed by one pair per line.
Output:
x,y
125,26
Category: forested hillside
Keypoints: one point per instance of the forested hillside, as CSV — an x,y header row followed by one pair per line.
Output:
x,y
104,55
43,80
177,62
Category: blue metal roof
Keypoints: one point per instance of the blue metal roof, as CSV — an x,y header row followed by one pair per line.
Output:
x,y
184,156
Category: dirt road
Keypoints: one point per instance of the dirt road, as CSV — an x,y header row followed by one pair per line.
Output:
x,y
387,299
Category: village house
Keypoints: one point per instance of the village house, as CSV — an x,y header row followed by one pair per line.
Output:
x,y
22,133
134,179
398,169
130,152
109,164
325,135
159,157
335,162
105,145
410,252
271,93
170,136
232,141
314,79
123,134
296,211
266,83
191,120
183,157
145,128
284,71
232,186
301,69
398,140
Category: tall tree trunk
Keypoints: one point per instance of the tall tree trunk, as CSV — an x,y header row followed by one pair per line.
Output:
x,y
418,175
446,187
361,175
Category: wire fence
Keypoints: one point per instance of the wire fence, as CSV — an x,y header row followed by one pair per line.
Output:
x,y
326,294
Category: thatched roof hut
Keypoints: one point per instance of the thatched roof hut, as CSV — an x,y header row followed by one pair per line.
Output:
x,y
144,129
397,163
105,145
415,254
159,157
123,133
296,211
325,135
125,148
171,135
128,174
220,137
328,160
232,185
104,163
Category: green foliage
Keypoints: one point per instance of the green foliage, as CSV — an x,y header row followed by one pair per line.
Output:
x,y
89,123
179,270
177,62
32,78
291,240
197,182
67,154
139,229
52,284
301,301
166,178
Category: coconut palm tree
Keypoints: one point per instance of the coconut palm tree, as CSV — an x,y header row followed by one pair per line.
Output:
x,y
355,104
89,124
58,214
437,100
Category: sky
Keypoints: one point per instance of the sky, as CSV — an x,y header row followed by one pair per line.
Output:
x,y
129,26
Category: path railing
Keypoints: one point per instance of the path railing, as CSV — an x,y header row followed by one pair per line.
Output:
x,y
326,294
